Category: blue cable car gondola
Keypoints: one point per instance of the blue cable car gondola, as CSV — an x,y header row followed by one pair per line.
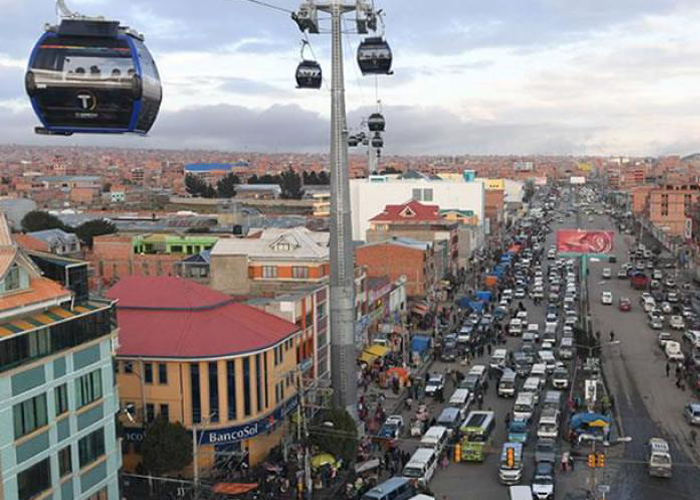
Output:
x,y
93,76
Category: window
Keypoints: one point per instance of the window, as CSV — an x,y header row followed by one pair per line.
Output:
x,y
12,279
150,412
258,383
61,399
100,495
88,388
417,194
128,367
246,387
91,447
278,354
269,271
195,394
65,466
165,412
265,385
39,343
427,195
213,392
231,389
148,373
300,272
162,374
34,480
321,310
30,415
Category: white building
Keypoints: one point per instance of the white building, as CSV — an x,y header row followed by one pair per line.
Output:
x,y
368,197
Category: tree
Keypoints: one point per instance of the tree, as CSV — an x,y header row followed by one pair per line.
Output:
x,y
88,230
335,432
167,447
390,170
226,187
253,179
195,185
291,185
324,179
106,187
38,220
208,191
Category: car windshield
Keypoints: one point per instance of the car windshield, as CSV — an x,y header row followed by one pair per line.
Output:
x,y
544,480
660,460
414,471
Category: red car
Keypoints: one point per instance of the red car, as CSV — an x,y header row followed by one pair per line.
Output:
x,y
625,304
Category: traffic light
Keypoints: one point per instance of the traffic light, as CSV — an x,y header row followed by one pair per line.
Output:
x,y
458,453
601,459
591,460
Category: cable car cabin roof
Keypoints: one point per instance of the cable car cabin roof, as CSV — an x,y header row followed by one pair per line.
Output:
x,y
93,84
94,28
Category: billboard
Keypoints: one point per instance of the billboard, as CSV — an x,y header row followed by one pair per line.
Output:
x,y
576,241
577,180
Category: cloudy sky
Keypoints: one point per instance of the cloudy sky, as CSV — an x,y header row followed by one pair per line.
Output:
x,y
471,77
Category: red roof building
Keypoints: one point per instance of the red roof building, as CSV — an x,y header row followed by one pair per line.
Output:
x,y
413,211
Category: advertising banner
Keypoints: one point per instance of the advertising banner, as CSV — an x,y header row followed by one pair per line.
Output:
x,y
576,241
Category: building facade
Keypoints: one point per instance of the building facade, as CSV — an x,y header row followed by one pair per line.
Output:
x,y
223,369
58,396
670,207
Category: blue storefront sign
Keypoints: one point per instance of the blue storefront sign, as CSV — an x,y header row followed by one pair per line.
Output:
x,y
234,433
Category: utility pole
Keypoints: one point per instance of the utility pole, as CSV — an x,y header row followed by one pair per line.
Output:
x,y
342,258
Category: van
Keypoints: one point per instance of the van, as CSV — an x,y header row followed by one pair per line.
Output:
x,y
649,304
547,357
480,371
552,400
520,493
450,418
659,458
498,358
506,386
550,332
421,466
539,370
533,385
396,488
548,426
524,406
435,438
510,468
461,399
566,348
521,363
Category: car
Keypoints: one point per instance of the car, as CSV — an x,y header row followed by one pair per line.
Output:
x,y
666,308
560,378
622,274
545,450
656,323
543,481
644,297
677,323
551,317
692,413
392,427
655,284
672,297
657,274
606,298
672,349
624,304
670,283
436,382
663,338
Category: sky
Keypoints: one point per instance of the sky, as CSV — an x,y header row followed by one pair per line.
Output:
x,y
561,77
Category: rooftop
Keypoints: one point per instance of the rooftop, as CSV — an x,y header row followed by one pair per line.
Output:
x,y
277,243
168,317
413,211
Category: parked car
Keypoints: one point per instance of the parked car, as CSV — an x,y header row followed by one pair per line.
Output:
x,y
692,413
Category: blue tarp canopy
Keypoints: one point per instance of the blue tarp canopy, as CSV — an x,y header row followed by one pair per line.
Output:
x,y
463,302
484,295
589,420
420,343
476,305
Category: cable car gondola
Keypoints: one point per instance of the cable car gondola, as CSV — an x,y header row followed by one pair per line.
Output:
x,y
377,140
309,75
376,122
89,75
353,141
374,56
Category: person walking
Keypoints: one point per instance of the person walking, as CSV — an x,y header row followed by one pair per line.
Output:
x,y
668,369
507,420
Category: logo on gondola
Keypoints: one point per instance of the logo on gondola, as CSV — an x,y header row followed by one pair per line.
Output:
x,y
87,100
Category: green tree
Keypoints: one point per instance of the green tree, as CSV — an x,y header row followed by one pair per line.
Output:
x,y
253,179
208,191
167,447
38,220
88,230
290,183
226,187
335,432
324,179
195,185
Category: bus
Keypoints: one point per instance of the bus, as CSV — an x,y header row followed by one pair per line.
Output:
x,y
476,433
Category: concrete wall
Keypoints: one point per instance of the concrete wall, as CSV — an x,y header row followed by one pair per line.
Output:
x,y
229,274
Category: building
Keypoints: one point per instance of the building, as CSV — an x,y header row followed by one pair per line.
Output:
x,y
401,257
193,355
269,261
368,197
670,208
58,398
417,221
208,170
58,241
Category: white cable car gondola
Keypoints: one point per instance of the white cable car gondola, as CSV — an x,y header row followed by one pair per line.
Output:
x,y
374,56
309,74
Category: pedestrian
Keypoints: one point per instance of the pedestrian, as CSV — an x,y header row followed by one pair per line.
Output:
x,y
571,462
693,435
668,369
612,336
488,348
507,419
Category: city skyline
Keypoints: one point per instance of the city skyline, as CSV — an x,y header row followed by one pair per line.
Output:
x,y
539,78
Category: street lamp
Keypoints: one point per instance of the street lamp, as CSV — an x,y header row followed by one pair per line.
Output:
x,y
196,443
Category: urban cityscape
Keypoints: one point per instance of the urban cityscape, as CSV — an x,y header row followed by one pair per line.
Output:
x,y
315,259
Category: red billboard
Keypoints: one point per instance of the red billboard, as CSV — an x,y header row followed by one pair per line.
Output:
x,y
576,241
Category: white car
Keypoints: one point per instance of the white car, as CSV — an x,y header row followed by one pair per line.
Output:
x,y
677,323
607,274
664,337
606,298
673,351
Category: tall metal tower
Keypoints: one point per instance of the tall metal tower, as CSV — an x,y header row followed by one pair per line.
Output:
x,y
342,283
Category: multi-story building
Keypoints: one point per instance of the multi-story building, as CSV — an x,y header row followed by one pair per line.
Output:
x,y
368,197
269,261
58,398
670,208
193,355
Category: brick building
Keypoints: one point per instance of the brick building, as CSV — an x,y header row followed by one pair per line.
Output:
x,y
670,207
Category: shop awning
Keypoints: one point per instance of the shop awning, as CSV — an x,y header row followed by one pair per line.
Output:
x,y
234,488
373,352
401,373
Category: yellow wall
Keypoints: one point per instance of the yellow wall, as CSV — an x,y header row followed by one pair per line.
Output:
x,y
495,184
